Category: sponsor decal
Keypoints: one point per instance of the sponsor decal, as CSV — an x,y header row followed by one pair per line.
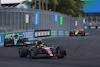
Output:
x,y
75,23
1,39
61,20
28,34
60,32
85,27
56,18
36,18
27,18
53,32
92,27
8,35
66,33
42,33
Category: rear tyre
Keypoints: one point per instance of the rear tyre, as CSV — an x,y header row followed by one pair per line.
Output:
x,y
60,51
33,53
70,34
5,42
8,41
83,34
22,40
25,39
23,51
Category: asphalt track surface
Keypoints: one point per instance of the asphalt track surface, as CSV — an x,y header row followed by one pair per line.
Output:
x,y
81,52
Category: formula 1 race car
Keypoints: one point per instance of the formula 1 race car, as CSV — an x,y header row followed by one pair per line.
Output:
x,y
77,32
39,52
16,40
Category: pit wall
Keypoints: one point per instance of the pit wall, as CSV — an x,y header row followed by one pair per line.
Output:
x,y
32,34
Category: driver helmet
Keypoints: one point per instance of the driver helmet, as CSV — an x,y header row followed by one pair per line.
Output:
x,y
16,36
41,45
40,40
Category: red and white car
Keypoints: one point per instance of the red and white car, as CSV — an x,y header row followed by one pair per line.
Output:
x,y
35,51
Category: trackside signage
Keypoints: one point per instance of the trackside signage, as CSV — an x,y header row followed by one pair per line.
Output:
x,y
1,39
27,18
98,27
61,20
60,32
56,18
53,33
92,27
28,34
42,33
36,18
85,27
66,33
75,23
8,35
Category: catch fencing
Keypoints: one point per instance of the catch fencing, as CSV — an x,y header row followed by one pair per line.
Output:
x,y
18,19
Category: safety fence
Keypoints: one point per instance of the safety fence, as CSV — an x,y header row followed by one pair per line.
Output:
x,y
18,19
32,34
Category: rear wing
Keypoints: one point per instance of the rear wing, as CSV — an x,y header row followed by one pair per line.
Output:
x,y
17,35
78,29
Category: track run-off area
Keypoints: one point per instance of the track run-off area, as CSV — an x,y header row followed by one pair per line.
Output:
x,y
82,51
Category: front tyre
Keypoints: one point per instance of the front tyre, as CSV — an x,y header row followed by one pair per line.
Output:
x,y
23,51
70,33
33,53
60,51
83,34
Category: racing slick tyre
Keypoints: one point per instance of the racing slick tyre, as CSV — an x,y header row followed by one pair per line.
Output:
x,y
23,51
22,40
25,39
5,42
70,34
33,53
60,51
8,41
19,41
83,34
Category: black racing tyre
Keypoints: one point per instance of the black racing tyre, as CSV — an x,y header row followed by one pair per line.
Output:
x,y
8,41
5,45
19,41
5,42
12,42
22,40
82,33
70,33
33,53
60,51
25,39
23,51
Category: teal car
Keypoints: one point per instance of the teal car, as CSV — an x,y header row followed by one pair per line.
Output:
x,y
16,40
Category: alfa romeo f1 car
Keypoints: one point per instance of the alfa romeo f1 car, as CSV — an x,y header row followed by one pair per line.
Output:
x,y
16,40
37,52
77,32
